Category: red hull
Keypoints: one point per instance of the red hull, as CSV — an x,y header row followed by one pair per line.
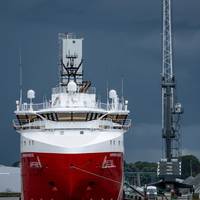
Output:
x,y
92,176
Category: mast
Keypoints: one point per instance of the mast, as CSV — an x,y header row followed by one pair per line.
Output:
x,y
20,78
71,61
70,58
168,82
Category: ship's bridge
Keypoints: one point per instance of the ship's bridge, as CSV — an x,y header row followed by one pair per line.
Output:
x,y
68,104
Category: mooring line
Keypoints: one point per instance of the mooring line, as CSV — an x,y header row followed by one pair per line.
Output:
x,y
88,172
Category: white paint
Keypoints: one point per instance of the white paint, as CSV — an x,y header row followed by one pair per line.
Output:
x,y
71,141
69,100
10,179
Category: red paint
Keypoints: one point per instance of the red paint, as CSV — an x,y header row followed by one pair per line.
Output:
x,y
92,176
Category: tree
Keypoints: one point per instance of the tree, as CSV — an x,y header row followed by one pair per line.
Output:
x,y
16,164
190,166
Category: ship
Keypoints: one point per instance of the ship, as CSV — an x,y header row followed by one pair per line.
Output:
x,y
72,145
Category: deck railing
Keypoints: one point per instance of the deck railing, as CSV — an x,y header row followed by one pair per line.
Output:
x,y
103,124
27,124
63,89
34,107
48,105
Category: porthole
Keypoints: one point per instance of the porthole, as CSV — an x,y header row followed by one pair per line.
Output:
x,y
114,142
110,142
118,142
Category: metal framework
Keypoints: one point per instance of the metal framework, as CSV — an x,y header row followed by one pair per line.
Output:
x,y
70,71
167,42
171,110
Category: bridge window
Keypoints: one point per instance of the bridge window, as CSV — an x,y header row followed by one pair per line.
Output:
x,y
79,116
64,116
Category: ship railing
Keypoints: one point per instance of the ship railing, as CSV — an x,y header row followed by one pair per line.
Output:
x,y
28,124
48,105
34,107
118,124
125,124
63,89
103,124
110,107
97,105
68,35
103,106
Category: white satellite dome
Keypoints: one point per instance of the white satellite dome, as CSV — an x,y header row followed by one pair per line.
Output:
x,y
71,87
112,94
31,94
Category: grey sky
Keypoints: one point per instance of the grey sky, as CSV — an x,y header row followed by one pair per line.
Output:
x,y
122,39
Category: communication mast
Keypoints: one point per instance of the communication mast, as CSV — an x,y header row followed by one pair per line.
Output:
x,y
71,61
169,168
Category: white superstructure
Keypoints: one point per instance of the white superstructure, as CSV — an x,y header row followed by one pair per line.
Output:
x,y
70,121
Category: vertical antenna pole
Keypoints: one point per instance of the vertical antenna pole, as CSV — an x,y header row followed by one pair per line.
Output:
x,y
122,89
20,77
107,95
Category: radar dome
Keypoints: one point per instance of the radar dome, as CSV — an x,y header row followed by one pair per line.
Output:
x,y
31,94
71,87
112,94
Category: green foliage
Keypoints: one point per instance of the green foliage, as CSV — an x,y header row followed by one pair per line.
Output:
x,y
190,166
146,166
9,194
147,172
195,196
16,164
141,167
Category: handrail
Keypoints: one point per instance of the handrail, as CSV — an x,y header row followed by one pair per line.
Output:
x,y
34,107
102,124
63,89
28,124
48,105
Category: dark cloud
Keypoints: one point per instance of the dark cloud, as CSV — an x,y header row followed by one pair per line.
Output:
x,y
122,40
